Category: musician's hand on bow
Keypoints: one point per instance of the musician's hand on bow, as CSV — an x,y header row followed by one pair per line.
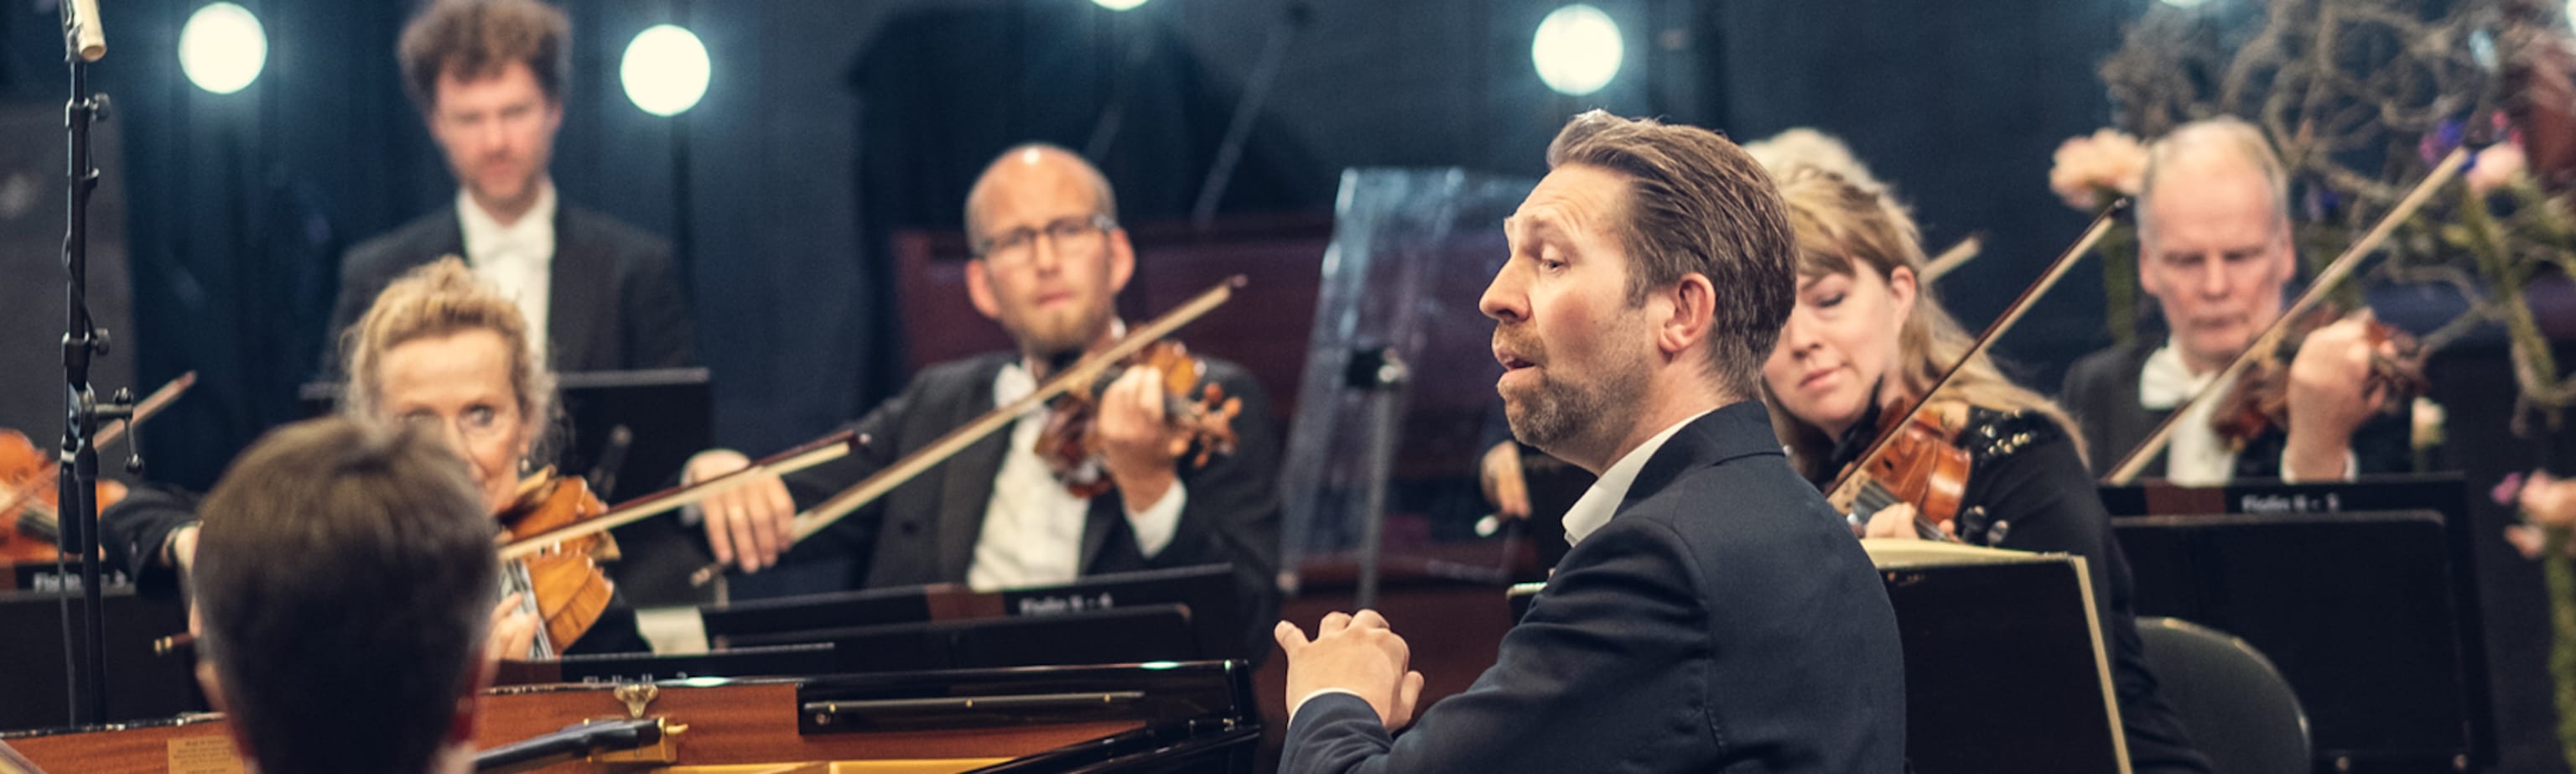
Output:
x,y
1356,653
749,525
1136,443
514,631
2330,396
1500,475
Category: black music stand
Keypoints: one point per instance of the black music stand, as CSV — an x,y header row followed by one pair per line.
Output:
x,y
2367,614
1205,594
2004,670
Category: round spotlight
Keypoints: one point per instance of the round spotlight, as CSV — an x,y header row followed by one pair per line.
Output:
x,y
665,70
2185,3
222,48
1118,5
1577,50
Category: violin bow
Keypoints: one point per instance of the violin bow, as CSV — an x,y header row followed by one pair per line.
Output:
x,y
1079,375
825,449
2332,275
1994,330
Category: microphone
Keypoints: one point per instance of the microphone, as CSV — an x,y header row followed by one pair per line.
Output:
x,y
81,34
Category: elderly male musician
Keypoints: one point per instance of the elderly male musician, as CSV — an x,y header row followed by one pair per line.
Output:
x,y
2215,249
488,77
1049,261
1714,615
344,578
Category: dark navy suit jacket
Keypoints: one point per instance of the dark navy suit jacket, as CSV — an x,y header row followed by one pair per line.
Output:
x,y
1724,621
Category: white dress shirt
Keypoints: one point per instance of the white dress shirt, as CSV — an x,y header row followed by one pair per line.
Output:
x,y
1032,532
518,258
2197,456
1602,501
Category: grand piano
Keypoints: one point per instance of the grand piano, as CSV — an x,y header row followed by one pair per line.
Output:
x,y
1152,717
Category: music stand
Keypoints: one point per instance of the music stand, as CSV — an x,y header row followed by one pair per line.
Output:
x,y
1206,595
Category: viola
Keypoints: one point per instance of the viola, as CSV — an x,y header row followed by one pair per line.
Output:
x,y
1072,450
562,582
556,533
2259,400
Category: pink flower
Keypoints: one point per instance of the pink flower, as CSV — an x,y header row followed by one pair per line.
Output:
x,y
2498,164
2526,541
2088,168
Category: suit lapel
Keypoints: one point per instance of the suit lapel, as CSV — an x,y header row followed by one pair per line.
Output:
x,y
966,480
578,294
1098,521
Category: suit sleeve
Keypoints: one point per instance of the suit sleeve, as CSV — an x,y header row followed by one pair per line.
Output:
x,y
1599,671
854,535
660,331
133,530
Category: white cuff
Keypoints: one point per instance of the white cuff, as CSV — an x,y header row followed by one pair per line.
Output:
x,y
1310,696
2351,467
1156,524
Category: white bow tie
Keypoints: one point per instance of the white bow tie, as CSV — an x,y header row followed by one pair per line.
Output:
x,y
2165,382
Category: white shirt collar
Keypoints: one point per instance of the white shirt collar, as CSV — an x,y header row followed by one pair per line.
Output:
x,y
531,238
2166,381
1602,501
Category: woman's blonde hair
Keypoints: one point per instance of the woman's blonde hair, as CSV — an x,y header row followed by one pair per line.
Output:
x,y
1842,227
443,298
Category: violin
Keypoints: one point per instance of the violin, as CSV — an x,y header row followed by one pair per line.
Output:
x,y
1072,450
32,493
2259,400
562,584
1918,465
1912,459
1086,371
2269,341
30,485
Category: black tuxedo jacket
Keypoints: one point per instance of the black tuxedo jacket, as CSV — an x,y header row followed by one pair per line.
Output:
x,y
2101,390
1724,620
614,303
925,530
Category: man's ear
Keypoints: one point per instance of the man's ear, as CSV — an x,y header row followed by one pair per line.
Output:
x,y
979,289
1122,260
213,685
1694,313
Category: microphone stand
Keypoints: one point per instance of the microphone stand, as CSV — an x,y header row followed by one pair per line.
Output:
x,y
78,504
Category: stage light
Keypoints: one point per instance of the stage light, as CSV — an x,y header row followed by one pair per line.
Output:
x,y
2185,3
222,48
1119,5
1577,50
665,70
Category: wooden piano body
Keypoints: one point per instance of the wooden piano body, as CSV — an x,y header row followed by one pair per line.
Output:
x,y
1195,716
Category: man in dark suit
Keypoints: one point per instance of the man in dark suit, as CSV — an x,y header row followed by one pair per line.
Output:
x,y
1714,615
2215,250
1050,259
488,76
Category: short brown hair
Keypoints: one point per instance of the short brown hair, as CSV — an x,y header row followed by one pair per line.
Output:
x,y
1697,204
442,298
338,553
473,39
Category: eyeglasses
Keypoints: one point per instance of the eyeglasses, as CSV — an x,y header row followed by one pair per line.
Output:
x,y
1013,247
